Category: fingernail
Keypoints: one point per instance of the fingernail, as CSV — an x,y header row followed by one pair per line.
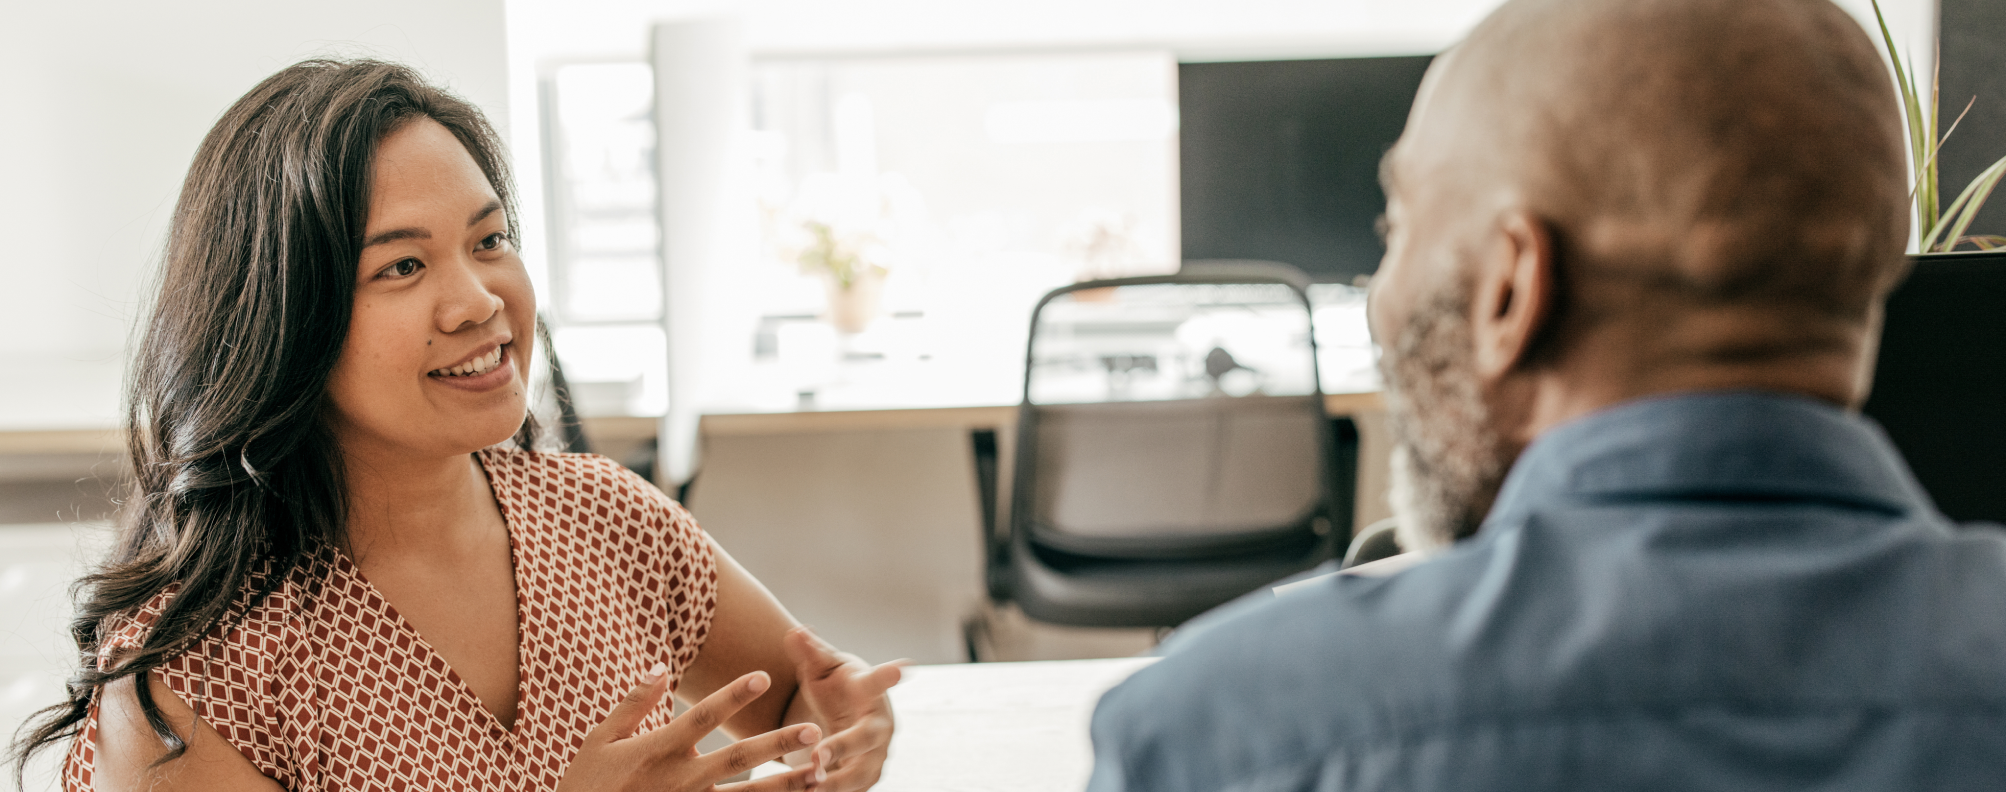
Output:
x,y
821,775
758,682
809,734
655,674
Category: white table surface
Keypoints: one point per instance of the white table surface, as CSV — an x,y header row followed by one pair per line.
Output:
x,y
998,727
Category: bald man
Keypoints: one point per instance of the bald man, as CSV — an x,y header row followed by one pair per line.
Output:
x,y
1636,260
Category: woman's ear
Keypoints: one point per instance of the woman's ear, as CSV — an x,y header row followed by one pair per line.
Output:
x,y
1514,294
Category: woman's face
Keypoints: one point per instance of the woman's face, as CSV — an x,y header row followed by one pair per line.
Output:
x,y
436,358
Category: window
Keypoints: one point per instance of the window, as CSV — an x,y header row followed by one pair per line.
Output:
x,y
605,305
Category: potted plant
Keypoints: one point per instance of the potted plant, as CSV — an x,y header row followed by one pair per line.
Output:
x,y
1939,229
849,266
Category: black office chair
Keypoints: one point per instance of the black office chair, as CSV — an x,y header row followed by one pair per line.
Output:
x,y
1172,452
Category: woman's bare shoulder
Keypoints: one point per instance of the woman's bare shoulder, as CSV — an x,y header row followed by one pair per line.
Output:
x,y
127,749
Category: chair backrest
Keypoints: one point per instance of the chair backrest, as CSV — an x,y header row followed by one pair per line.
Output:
x,y
1169,477
1172,417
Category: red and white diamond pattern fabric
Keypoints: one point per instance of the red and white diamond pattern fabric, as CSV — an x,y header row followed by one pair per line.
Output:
x,y
323,686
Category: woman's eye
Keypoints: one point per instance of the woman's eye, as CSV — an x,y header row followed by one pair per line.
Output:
x,y
404,268
494,241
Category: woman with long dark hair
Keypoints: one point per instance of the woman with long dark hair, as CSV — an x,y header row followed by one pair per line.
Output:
x,y
343,564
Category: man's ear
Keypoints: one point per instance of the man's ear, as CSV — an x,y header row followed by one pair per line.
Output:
x,y
1514,293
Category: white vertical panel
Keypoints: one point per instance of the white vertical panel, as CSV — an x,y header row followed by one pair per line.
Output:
x,y
700,112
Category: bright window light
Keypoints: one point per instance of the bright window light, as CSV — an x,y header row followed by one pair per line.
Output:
x,y
1081,121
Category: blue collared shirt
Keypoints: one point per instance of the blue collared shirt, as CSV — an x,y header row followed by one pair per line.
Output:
x,y
1732,591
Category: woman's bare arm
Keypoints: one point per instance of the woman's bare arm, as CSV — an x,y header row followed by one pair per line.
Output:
x,y
745,636
813,682
127,748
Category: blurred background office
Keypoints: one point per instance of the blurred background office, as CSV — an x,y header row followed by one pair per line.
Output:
x,y
788,249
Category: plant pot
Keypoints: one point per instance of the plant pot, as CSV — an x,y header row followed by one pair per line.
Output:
x,y
851,309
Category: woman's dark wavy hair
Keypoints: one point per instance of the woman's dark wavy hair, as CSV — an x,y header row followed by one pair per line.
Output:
x,y
236,477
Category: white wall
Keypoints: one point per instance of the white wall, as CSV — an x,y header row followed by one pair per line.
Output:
x,y
102,104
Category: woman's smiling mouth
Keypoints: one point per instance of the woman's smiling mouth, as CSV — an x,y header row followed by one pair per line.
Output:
x,y
483,372
472,368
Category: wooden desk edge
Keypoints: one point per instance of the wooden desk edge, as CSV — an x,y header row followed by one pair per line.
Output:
x,y
742,424
61,441
101,441
718,425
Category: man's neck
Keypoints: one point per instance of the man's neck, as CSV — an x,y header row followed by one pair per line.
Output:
x,y
1591,379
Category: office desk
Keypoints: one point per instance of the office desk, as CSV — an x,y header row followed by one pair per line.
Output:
x,y
983,417
997,727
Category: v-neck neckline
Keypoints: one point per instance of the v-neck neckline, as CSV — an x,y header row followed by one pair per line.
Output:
x,y
406,628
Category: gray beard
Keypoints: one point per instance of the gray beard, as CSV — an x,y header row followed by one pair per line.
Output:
x,y
1446,460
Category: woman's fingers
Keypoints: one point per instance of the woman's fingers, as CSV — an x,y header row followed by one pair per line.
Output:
x,y
682,734
672,748
809,777
814,659
880,679
750,753
857,776
854,741
626,715
872,725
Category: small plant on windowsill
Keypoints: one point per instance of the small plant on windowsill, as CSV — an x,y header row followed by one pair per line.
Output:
x,y
847,264
1939,229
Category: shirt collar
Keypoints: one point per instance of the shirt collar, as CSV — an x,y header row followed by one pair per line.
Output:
x,y
1725,444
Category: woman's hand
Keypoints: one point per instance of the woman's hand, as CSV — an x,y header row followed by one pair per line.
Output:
x,y
615,759
847,697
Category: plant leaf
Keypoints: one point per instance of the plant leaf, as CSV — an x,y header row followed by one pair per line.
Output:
x,y
1986,241
1938,148
1921,137
1935,101
1961,212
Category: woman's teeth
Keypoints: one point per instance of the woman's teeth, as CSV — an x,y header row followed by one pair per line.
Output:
x,y
477,366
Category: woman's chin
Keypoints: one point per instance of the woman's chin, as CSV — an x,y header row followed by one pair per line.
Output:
x,y
443,428
467,433
495,430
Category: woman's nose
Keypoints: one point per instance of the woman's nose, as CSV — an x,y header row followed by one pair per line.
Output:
x,y
467,301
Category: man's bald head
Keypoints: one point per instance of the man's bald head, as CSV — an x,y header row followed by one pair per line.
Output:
x,y
1705,151
1598,200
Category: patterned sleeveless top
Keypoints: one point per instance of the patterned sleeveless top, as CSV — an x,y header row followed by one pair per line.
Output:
x,y
323,686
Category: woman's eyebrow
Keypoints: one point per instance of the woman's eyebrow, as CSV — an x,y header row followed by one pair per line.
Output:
x,y
399,234
489,209
419,233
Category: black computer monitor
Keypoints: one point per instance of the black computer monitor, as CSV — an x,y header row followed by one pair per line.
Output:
x,y
1279,160
1940,384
